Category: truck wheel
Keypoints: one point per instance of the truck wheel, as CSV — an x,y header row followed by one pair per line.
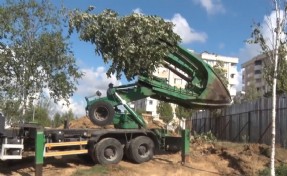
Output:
x,y
101,113
108,151
141,149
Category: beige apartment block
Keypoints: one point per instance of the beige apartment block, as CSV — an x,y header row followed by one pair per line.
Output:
x,y
252,74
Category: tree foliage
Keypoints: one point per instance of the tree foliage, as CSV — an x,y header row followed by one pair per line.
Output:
x,y
57,120
41,116
133,44
164,110
182,112
11,109
251,93
221,72
268,70
35,55
272,47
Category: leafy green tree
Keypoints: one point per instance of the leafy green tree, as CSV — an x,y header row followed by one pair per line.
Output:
x,y
273,48
133,44
268,70
221,72
251,93
11,109
57,120
182,112
41,116
35,55
164,110
68,116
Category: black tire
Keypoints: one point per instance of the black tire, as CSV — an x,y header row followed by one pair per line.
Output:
x,y
141,149
108,151
101,113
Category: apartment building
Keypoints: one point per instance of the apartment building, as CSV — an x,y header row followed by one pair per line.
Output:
x,y
148,104
230,65
252,74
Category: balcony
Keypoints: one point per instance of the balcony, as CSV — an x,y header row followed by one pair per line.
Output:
x,y
257,76
258,67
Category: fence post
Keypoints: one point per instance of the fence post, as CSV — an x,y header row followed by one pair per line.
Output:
x,y
39,153
185,134
249,126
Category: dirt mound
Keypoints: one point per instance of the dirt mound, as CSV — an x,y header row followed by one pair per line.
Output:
x,y
85,122
153,122
234,158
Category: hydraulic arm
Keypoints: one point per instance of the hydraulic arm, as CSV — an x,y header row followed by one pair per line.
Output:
x,y
203,90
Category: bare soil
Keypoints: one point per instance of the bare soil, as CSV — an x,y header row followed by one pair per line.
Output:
x,y
216,158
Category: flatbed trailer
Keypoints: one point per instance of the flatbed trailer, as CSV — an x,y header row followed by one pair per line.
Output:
x,y
103,146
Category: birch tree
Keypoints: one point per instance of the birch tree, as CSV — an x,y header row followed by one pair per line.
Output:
x,y
34,53
270,46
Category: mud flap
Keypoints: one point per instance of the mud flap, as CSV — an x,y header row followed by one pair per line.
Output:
x,y
173,144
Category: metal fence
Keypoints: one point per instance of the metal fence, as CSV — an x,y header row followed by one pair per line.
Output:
x,y
246,122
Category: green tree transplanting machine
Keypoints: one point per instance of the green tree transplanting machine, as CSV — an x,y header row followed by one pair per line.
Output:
x,y
130,136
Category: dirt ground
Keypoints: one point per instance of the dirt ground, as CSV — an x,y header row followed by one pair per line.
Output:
x,y
206,158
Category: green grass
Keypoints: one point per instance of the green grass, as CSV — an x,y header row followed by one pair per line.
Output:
x,y
279,171
97,170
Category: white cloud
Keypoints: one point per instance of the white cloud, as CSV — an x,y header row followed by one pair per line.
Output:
x,y
92,81
239,80
211,6
248,51
182,28
187,33
95,79
77,107
138,10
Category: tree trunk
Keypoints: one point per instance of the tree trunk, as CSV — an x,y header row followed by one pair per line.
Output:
x,y
277,30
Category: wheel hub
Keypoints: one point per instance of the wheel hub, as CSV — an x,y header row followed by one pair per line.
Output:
x,y
101,113
109,153
142,150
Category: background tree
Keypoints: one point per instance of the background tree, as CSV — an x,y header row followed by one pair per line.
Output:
x,y
35,55
133,44
164,110
271,47
268,71
57,120
68,116
11,109
182,112
41,116
221,72
251,92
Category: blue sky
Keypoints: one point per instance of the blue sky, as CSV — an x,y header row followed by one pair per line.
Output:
x,y
215,26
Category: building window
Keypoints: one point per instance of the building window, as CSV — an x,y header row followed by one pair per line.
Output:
x,y
177,81
150,102
232,75
257,72
258,62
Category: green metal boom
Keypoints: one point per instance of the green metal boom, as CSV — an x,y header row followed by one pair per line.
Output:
x,y
204,89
